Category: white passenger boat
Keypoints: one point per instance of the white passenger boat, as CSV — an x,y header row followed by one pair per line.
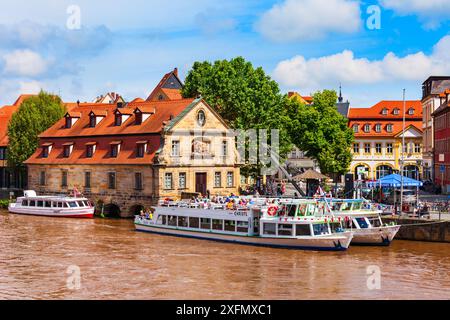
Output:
x,y
280,226
363,219
52,206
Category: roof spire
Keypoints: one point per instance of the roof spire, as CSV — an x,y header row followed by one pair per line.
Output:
x,y
340,99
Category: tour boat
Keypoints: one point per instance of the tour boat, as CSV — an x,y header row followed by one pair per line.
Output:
x,y
281,226
52,206
362,218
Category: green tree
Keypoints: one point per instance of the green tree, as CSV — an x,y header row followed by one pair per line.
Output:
x,y
35,115
321,132
243,95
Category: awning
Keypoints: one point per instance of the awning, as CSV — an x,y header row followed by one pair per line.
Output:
x,y
395,180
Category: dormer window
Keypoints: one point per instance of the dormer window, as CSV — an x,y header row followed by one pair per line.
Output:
x,y
411,111
115,149
396,111
138,117
95,118
67,151
71,119
118,120
378,128
121,116
141,116
384,111
68,123
367,128
46,149
141,149
355,128
389,127
92,121
90,149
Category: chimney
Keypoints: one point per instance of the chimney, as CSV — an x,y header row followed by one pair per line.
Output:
x,y
78,102
175,71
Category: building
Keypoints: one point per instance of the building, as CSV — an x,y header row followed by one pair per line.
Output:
x,y
377,149
169,88
441,127
128,156
431,89
110,97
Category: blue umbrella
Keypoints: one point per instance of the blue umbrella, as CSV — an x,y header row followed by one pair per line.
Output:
x,y
395,180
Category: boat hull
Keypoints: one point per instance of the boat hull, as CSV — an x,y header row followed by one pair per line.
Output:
x,y
79,214
377,236
328,243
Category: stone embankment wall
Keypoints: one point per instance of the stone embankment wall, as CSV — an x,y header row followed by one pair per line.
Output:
x,y
422,229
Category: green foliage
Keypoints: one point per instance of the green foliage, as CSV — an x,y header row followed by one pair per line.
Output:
x,y
244,96
4,204
322,132
35,115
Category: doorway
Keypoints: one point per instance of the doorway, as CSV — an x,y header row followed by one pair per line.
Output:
x,y
200,183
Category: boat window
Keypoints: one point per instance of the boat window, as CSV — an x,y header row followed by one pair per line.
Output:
x,y
160,219
205,223
320,229
80,203
72,204
48,204
40,203
269,228
291,210
375,222
194,222
60,204
302,230
346,206
32,203
164,219
285,229
362,223
86,203
172,221
217,224
357,205
242,226
183,222
302,209
230,225
25,203
336,206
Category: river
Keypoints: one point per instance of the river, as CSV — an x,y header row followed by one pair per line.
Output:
x,y
40,259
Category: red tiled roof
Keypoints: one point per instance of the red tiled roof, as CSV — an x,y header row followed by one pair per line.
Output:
x,y
375,112
22,98
168,92
397,127
5,116
165,110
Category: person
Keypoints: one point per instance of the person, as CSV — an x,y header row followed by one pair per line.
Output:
x,y
295,195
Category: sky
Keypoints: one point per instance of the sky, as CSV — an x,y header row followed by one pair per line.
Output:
x,y
81,49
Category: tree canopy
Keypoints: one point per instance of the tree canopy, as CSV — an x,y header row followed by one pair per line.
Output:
x,y
321,131
243,95
35,115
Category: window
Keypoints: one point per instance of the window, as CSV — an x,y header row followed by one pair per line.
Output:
x,y
396,111
230,179
40,204
205,223
389,148
168,183
172,221
366,147
242,226
217,224
285,229
417,148
42,178
92,121
230,225
411,111
194,223
302,230
182,180
378,127
217,180
2,153
320,229
64,179
68,124
140,151
25,203
389,128
378,147
269,229
138,181
224,148
356,148
111,180
384,111
114,150
138,118
67,150
89,151
355,128
45,152
175,148
87,179
183,222
367,128
118,120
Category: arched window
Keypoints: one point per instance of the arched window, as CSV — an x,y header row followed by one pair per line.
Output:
x,y
383,171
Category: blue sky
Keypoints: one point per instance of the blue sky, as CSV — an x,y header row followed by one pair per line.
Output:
x,y
305,45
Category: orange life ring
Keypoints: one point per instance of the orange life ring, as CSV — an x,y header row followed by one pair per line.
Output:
x,y
272,211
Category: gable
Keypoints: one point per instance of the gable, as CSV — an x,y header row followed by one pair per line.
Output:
x,y
411,132
172,83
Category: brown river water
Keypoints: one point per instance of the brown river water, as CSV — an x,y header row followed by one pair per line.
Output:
x,y
38,256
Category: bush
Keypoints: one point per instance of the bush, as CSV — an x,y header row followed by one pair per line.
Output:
x,y
4,204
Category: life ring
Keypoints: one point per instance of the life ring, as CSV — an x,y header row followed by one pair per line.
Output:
x,y
272,211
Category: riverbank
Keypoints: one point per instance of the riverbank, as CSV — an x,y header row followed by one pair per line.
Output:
x,y
421,229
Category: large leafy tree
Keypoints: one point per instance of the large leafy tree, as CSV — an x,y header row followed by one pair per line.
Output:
x,y
243,95
322,132
35,115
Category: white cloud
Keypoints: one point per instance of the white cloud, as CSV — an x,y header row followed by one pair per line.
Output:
x,y
430,12
317,73
30,87
25,63
309,19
